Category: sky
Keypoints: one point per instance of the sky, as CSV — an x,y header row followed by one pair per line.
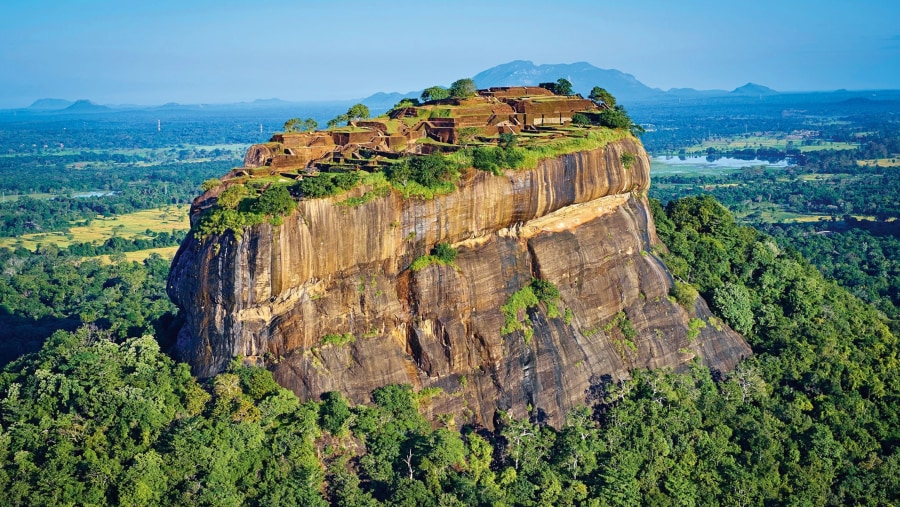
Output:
x,y
152,52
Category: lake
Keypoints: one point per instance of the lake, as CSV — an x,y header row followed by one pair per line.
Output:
x,y
664,165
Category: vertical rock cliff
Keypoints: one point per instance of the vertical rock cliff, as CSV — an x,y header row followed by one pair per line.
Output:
x,y
580,222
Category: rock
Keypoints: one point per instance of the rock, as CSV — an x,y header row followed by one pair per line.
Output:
x,y
580,221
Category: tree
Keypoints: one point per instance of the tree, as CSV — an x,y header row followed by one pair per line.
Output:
x,y
292,125
358,112
601,95
355,113
275,201
299,125
735,306
434,93
335,413
462,88
337,120
406,102
617,118
562,86
310,124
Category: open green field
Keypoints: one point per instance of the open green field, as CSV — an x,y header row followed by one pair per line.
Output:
x,y
774,213
776,141
128,226
658,168
139,256
880,162
15,197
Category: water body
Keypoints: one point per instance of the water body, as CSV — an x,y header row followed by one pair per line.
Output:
x,y
665,165
95,193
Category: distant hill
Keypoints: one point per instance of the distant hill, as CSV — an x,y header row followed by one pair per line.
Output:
x,y
86,106
582,75
382,100
754,89
50,104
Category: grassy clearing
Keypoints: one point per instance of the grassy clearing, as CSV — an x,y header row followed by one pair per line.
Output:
x,y
139,256
776,141
593,139
128,226
828,145
15,197
661,168
773,213
880,162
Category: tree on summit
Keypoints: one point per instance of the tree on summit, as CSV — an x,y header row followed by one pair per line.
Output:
x,y
562,86
601,95
358,112
355,113
300,125
462,88
434,93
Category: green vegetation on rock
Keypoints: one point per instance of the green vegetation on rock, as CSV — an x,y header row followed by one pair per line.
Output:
x,y
442,254
338,339
240,206
538,291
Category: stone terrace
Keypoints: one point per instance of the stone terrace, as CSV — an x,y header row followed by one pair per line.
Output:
x,y
439,125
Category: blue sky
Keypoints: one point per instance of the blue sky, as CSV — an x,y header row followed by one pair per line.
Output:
x,y
187,51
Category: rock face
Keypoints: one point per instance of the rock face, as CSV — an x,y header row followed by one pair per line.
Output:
x,y
580,221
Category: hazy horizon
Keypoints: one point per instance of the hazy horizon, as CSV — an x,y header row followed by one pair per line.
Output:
x,y
209,52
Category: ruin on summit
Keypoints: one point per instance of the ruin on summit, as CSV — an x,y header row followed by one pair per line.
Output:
x,y
444,125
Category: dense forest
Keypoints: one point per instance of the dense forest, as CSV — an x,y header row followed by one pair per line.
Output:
x,y
51,289
811,418
838,212
93,412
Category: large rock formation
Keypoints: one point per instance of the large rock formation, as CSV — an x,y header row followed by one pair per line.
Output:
x,y
580,221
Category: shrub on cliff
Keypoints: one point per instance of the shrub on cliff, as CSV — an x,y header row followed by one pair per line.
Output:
x,y
538,291
237,208
232,196
326,184
599,94
494,160
442,253
274,201
617,118
218,220
430,171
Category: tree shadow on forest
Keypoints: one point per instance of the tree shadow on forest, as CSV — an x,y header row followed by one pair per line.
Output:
x,y
21,335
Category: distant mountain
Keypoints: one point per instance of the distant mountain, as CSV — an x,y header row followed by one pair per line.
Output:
x,y
50,104
753,89
582,75
382,100
85,106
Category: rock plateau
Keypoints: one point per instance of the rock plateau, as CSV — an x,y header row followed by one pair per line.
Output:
x,y
580,221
